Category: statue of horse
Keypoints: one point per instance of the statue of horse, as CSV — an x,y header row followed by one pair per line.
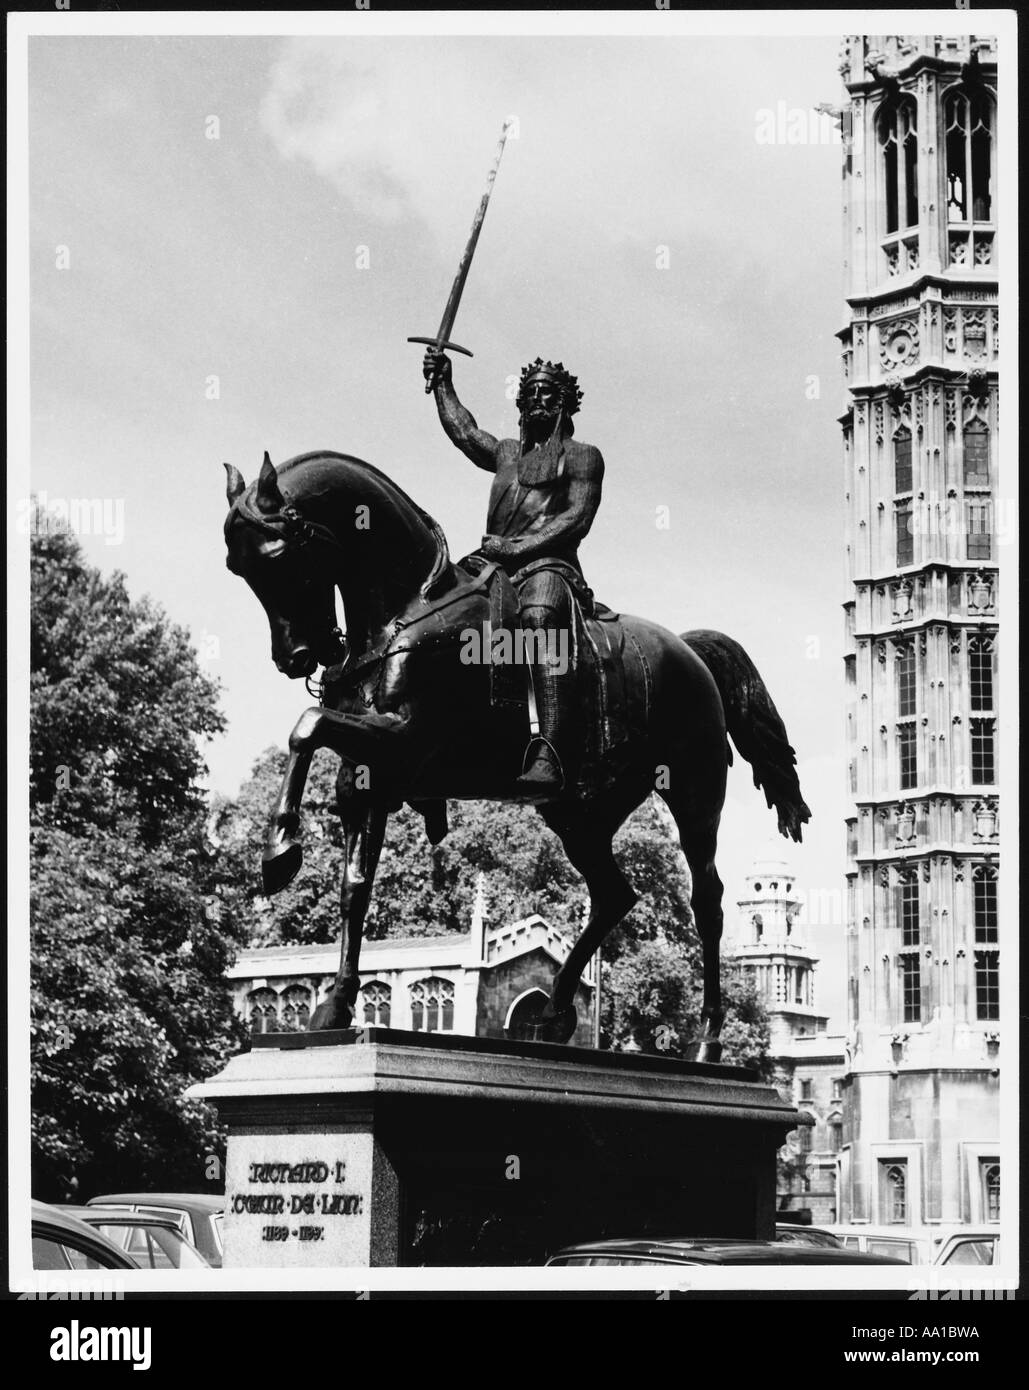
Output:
x,y
412,721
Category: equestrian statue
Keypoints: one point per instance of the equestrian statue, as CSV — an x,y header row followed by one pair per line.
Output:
x,y
424,698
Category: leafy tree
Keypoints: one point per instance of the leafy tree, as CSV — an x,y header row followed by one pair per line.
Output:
x,y
130,939
421,890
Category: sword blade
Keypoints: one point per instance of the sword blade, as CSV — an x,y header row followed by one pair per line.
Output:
x,y
442,338
457,289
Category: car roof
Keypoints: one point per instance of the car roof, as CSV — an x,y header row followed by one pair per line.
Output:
x,y
888,1232
804,1230
118,1216
187,1201
57,1222
722,1250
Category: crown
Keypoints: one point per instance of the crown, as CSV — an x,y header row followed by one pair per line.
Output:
x,y
571,396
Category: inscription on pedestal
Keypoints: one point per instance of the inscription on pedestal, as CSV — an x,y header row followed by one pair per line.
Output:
x,y
298,1200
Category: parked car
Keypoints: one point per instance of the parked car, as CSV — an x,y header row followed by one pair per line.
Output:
x,y
152,1242
61,1241
710,1251
198,1215
925,1245
970,1248
912,1244
788,1234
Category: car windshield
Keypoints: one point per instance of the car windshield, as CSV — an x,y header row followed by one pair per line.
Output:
x,y
971,1252
595,1260
896,1249
48,1253
154,1247
822,1238
181,1218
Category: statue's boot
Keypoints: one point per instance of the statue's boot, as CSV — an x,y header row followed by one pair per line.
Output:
x,y
543,775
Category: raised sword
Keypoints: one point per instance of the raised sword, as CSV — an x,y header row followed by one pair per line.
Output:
x,y
441,341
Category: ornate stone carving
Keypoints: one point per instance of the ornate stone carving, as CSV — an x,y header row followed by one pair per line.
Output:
x,y
950,330
905,824
980,592
902,592
898,343
984,820
978,385
973,333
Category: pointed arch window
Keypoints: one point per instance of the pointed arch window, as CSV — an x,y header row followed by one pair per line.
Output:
x,y
910,986
376,997
905,674
432,1005
894,1194
976,449
908,907
902,472
984,897
987,985
898,140
296,1008
263,1011
905,535
980,672
989,1173
968,123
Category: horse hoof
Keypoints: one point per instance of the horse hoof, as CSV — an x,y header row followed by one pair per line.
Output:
x,y
555,1028
330,1014
707,1050
280,866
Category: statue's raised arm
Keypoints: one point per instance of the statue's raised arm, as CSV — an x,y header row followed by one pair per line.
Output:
x,y
457,419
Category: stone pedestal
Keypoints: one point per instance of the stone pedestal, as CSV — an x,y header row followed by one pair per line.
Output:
x,y
378,1147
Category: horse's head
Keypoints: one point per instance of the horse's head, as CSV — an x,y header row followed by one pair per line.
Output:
x,y
290,563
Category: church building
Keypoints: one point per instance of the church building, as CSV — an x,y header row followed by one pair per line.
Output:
x,y
488,983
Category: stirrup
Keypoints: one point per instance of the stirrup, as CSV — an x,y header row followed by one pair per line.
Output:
x,y
533,742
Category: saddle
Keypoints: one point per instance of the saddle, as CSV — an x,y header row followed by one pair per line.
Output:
x,y
603,650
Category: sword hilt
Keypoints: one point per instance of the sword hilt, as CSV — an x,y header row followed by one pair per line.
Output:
x,y
440,345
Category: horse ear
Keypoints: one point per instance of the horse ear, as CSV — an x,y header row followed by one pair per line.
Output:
x,y
269,498
235,484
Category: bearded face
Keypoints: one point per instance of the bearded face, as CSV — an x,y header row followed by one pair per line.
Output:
x,y
542,401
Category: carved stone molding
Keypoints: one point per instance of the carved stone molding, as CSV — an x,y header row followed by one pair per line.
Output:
x,y
980,592
899,343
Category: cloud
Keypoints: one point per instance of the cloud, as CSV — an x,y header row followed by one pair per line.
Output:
x,y
394,128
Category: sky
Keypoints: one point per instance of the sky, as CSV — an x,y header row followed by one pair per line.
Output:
x,y
232,238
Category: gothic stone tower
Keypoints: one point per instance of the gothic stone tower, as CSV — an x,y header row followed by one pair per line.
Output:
x,y
769,947
808,1065
920,361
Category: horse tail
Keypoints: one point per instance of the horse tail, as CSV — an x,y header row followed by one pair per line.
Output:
x,y
754,725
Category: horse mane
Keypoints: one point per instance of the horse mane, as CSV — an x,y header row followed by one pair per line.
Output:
x,y
441,563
